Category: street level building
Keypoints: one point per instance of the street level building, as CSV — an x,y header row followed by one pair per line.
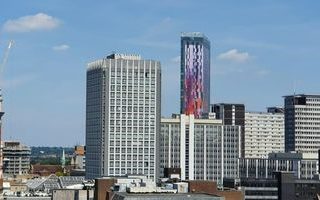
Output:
x,y
282,186
302,123
289,187
195,74
204,149
122,116
253,188
16,158
264,133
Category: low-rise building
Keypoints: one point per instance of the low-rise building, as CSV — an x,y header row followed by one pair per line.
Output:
x,y
281,186
159,196
253,188
53,182
289,187
75,194
139,187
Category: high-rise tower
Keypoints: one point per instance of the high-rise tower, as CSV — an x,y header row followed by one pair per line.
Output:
x,y
123,116
302,120
195,74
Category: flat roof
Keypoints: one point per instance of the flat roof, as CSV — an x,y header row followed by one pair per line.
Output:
x,y
194,35
303,95
236,104
169,195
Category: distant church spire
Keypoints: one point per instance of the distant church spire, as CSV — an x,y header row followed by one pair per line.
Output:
x,y
63,159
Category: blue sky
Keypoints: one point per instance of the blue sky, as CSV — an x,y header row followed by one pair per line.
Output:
x,y
259,51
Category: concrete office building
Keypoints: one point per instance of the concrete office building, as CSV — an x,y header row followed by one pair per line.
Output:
x,y
263,168
195,74
16,158
204,149
302,123
289,187
123,116
231,114
264,133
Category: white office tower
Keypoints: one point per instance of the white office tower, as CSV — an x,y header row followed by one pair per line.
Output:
x,y
302,124
204,149
264,133
123,116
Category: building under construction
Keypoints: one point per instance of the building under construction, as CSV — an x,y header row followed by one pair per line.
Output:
x,y
16,158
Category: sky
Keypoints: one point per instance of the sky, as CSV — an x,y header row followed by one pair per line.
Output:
x,y
260,51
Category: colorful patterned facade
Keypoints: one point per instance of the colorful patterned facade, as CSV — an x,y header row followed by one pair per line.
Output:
x,y
195,74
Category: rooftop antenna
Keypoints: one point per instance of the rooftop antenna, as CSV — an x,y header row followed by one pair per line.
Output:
x,y
294,88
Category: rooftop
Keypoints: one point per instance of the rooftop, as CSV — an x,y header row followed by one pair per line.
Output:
x,y
168,196
236,104
194,35
124,56
303,95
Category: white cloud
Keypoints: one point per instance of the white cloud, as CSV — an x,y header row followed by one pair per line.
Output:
x,y
62,47
40,21
263,72
235,56
176,59
252,43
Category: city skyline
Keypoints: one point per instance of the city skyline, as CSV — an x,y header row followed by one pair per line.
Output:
x,y
256,58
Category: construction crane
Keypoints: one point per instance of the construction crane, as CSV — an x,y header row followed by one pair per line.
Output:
x,y
5,57
3,63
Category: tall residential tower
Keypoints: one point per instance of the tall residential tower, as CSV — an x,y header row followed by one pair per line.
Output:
x,y
264,133
195,74
123,116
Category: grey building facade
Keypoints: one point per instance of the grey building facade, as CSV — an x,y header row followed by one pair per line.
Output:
x,y
231,114
289,187
281,185
302,123
263,168
253,188
123,116
264,133
204,149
